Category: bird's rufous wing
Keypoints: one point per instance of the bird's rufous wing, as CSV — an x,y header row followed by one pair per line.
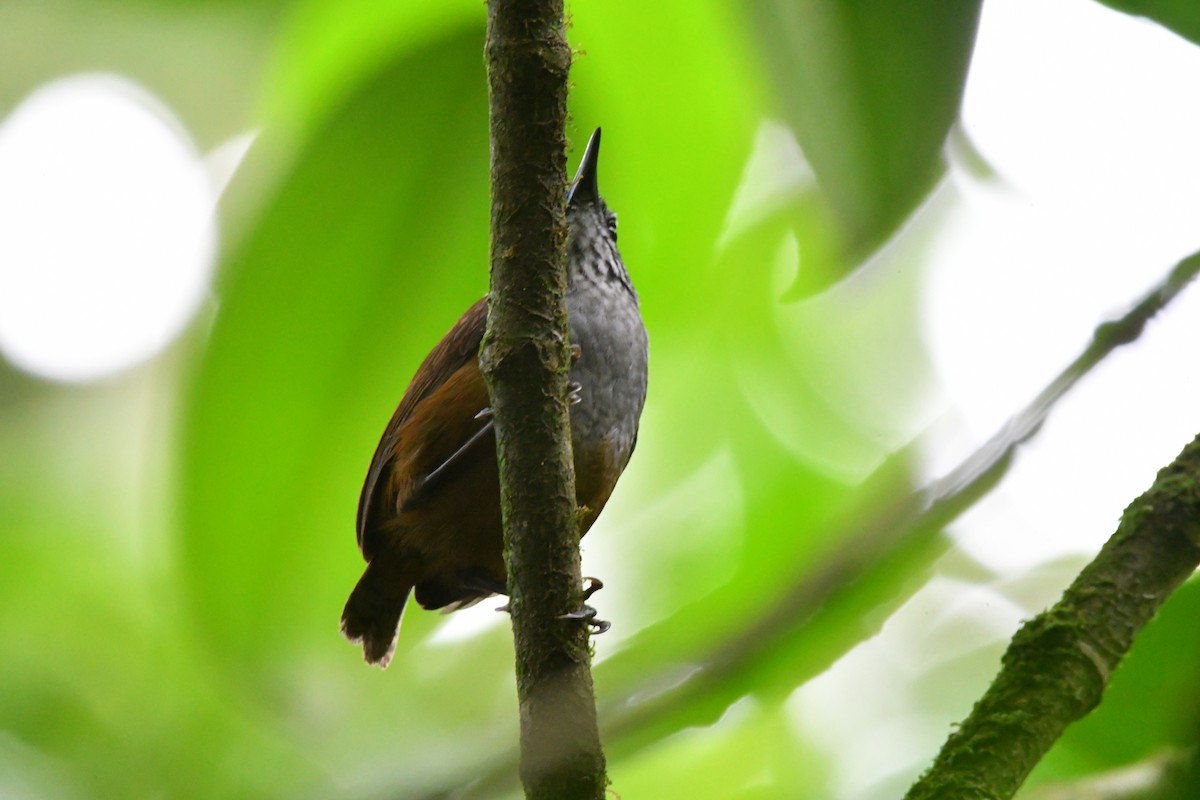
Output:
x,y
438,420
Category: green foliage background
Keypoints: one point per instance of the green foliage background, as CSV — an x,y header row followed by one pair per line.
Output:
x,y
176,543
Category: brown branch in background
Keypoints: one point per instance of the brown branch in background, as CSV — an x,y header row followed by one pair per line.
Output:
x,y
1059,663
525,360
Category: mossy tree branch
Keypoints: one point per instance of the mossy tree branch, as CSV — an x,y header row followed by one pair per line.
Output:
x,y
1059,663
525,359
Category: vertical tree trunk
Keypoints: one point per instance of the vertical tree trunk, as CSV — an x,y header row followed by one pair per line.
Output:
x,y
526,360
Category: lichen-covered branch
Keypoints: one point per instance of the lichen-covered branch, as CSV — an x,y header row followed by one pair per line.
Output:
x,y
525,360
1059,663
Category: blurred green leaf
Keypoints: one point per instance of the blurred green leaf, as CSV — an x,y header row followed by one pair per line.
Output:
x,y
372,245
103,694
794,514
1181,16
327,51
870,90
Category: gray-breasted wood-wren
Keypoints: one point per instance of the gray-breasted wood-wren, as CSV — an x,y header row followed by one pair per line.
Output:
x,y
429,512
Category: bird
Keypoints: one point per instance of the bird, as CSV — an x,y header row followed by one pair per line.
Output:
x,y
428,519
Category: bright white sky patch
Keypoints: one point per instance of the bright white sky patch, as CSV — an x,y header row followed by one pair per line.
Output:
x,y
1090,119
107,233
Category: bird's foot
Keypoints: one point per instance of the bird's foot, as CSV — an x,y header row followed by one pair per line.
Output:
x,y
588,615
591,586
573,397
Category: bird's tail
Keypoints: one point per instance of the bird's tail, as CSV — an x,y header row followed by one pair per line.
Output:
x,y
372,614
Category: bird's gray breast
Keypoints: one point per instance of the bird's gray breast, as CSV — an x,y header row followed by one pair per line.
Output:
x,y
611,371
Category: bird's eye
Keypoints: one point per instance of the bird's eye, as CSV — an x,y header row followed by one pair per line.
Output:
x,y
611,219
